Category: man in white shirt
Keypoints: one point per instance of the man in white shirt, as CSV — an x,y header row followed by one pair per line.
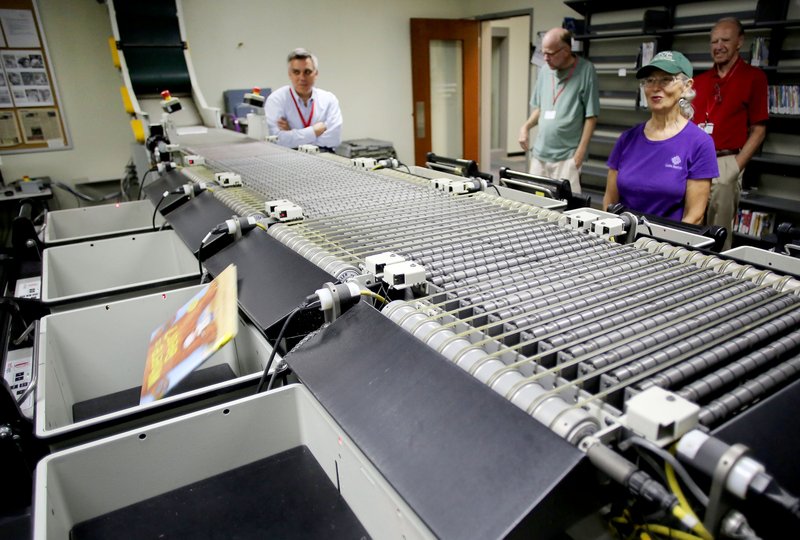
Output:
x,y
299,113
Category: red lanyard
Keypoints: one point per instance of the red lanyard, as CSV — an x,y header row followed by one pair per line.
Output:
x,y
564,84
717,96
306,123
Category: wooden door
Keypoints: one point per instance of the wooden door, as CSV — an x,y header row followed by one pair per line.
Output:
x,y
445,68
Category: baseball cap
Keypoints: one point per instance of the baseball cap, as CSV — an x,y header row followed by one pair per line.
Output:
x,y
670,61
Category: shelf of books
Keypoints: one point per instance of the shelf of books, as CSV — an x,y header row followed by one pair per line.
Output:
x,y
755,224
784,99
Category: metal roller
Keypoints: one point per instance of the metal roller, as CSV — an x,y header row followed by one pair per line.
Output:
x,y
621,311
689,339
723,407
737,371
627,346
718,355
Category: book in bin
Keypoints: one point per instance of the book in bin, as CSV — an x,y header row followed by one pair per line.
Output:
x,y
201,327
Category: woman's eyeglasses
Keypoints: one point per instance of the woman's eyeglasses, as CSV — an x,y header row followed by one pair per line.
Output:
x,y
661,82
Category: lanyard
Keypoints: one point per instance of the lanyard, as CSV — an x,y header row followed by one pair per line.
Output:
x,y
564,84
717,96
306,123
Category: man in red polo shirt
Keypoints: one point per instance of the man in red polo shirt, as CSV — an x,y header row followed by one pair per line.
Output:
x,y
732,106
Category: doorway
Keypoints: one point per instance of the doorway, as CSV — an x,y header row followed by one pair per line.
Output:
x,y
470,100
445,56
505,89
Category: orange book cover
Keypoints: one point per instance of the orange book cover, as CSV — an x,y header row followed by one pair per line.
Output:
x,y
200,328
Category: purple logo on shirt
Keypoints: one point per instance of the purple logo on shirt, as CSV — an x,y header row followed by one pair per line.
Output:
x,y
676,163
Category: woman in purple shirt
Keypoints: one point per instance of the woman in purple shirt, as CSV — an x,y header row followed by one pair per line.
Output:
x,y
664,167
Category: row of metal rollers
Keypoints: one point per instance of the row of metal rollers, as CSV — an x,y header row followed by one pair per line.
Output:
x,y
458,240
623,315
325,186
512,250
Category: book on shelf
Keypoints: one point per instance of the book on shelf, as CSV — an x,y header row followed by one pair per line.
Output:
x,y
754,223
759,52
784,99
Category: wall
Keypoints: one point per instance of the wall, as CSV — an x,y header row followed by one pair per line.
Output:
x,y
546,15
88,85
364,50
519,62
363,47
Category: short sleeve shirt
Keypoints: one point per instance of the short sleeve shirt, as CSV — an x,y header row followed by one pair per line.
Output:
x,y
732,104
652,175
569,96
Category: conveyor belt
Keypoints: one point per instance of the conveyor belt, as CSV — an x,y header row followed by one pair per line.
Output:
x,y
564,324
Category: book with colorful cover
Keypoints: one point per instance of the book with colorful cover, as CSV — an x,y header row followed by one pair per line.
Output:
x,y
200,328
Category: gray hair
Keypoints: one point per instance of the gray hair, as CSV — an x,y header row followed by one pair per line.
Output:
x,y
685,103
734,21
302,54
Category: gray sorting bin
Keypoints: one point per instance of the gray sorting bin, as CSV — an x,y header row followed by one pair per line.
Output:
x,y
90,364
81,274
94,222
149,480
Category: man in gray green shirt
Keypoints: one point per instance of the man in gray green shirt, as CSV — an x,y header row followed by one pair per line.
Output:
x,y
565,105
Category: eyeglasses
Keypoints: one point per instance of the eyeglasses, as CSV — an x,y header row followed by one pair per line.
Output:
x,y
552,54
717,93
661,82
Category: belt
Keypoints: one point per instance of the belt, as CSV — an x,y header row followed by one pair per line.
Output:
x,y
721,153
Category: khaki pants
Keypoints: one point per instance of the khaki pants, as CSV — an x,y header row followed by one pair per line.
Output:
x,y
558,170
724,200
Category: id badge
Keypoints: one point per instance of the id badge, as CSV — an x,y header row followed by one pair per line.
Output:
x,y
708,127
550,115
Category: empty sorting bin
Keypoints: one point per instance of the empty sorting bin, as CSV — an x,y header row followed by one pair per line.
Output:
x,y
79,224
90,368
80,274
272,465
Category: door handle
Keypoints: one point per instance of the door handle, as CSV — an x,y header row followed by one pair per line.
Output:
x,y
419,118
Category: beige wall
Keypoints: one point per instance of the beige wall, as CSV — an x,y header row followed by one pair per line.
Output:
x,y
519,69
363,45
88,85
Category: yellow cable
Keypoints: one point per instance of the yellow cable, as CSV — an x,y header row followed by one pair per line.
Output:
x,y
373,295
691,521
697,526
675,487
671,533
261,225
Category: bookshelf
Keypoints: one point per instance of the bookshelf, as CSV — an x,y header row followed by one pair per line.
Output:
x,y
611,35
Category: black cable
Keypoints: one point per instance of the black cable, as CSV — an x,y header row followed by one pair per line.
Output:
x,y
163,196
141,186
311,302
11,302
263,381
497,190
219,229
200,259
695,490
272,378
